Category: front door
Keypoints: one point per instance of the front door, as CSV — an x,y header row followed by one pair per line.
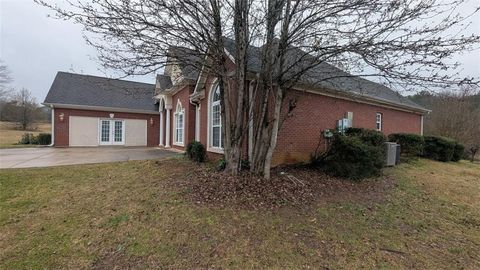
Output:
x,y
112,132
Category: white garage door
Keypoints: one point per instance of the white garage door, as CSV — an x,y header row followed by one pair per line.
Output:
x,y
83,131
135,132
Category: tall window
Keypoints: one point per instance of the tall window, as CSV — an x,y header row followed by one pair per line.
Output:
x,y
179,124
216,120
379,122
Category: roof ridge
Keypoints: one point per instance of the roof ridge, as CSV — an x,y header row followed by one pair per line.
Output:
x,y
101,77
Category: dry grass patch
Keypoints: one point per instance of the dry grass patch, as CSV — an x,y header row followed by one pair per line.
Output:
x,y
10,133
139,215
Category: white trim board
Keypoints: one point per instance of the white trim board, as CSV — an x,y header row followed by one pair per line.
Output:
x,y
99,108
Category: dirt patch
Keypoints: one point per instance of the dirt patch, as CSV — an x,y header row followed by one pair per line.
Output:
x,y
117,260
288,186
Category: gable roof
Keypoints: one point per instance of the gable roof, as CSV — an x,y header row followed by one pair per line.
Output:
x,y
87,90
326,76
163,82
188,60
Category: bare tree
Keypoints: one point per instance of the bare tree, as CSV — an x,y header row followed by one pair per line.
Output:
x,y
25,108
455,114
403,43
5,79
5,92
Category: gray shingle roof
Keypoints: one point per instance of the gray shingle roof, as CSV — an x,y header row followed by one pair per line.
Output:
x,y
87,90
327,76
188,60
164,82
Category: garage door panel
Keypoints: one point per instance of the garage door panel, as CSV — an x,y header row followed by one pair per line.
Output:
x,y
135,132
83,131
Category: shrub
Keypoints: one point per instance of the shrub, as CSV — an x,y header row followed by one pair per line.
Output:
x,y
352,158
28,138
411,144
458,152
196,151
353,131
221,164
245,164
369,136
44,138
439,148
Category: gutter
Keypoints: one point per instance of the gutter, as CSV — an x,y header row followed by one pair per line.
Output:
x,y
98,108
363,99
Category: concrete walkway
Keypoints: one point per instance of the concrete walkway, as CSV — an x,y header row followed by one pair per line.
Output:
x,y
49,156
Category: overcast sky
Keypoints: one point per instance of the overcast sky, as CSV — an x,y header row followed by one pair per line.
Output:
x,y
35,47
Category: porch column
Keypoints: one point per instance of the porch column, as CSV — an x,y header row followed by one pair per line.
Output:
x,y
167,129
162,129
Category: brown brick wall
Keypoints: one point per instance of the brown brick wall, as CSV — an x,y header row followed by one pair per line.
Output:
x,y
301,132
62,127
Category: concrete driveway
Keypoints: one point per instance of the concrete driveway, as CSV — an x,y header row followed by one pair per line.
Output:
x,y
49,156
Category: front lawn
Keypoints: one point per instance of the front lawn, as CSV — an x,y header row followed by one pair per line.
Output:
x,y
138,214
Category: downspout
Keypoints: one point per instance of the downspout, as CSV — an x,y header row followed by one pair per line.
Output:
x,y
421,125
197,119
52,143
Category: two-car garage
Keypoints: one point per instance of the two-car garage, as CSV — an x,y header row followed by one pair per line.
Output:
x,y
95,131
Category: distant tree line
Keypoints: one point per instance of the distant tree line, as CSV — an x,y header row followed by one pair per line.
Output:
x,y
455,114
19,105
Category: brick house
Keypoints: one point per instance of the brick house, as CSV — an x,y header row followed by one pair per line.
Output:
x,y
183,105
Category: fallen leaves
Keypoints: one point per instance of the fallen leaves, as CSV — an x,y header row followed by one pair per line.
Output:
x,y
288,186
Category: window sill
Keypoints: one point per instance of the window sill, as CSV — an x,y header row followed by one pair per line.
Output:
x,y
215,150
179,144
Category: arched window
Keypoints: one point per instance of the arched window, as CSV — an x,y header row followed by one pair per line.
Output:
x,y
179,120
216,140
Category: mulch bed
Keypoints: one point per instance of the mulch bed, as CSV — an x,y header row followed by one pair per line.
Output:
x,y
288,186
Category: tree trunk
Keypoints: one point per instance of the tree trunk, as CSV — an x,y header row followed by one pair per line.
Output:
x,y
274,133
236,125
272,69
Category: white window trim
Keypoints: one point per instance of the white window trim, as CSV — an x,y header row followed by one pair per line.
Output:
x,y
210,148
112,135
379,123
175,115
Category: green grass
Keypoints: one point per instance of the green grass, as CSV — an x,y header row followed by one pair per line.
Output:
x,y
132,214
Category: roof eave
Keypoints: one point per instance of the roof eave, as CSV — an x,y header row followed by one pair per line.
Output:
x,y
358,97
97,108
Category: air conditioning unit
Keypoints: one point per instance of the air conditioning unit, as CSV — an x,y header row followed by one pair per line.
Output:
x,y
393,153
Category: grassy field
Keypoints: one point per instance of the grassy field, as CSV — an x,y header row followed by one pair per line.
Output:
x,y
134,215
10,135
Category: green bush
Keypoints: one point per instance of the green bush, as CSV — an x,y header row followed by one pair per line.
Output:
x,y
353,131
439,148
411,144
196,151
221,164
369,136
353,158
44,138
458,152
28,138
